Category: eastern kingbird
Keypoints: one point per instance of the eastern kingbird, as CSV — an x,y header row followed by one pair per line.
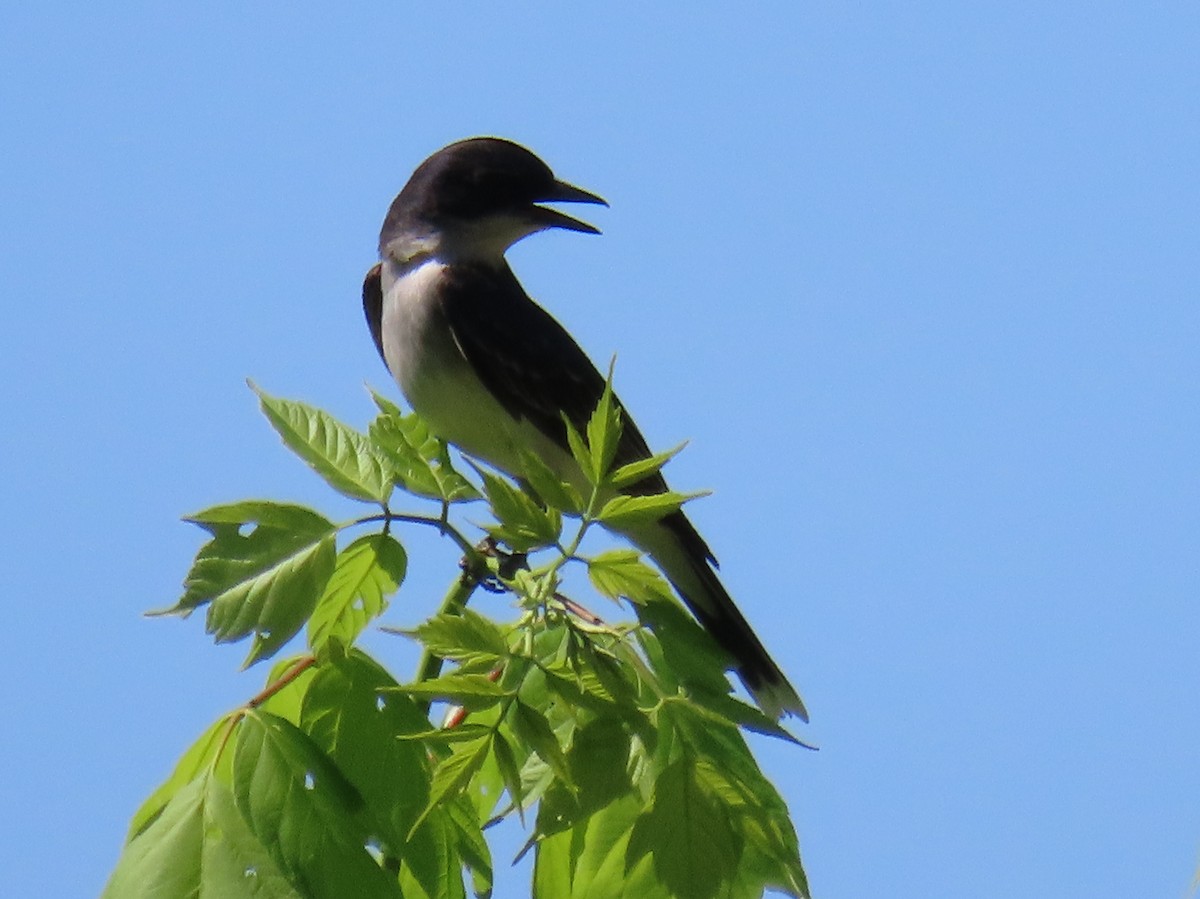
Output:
x,y
490,370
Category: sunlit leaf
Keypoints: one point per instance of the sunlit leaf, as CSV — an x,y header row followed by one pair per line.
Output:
x,y
626,511
552,489
524,524
467,636
346,459
621,573
633,472
367,572
473,691
262,572
419,460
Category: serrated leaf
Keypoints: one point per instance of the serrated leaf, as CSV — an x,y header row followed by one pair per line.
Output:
x,y
303,810
199,845
731,710
195,761
341,455
420,461
532,727
633,472
628,511
263,581
524,525
472,691
579,450
550,488
473,849
465,637
506,761
453,773
347,717
592,862
367,572
622,573
604,433
694,845
724,763
463,733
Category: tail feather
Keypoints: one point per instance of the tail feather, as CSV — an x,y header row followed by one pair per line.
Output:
x,y
686,560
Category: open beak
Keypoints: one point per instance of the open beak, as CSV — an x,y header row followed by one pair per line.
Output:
x,y
562,192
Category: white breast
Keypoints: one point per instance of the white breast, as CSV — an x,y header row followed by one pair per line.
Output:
x,y
440,384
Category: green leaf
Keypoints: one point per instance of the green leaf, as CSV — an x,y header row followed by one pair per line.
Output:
x,y
346,715
633,472
689,835
367,572
532,727
199,845
465,637
621,573
691,656
338,453
591,861
262,572
196,761
303,810
628,511
552,489
420,461
463,733
604,433
286,702
580,451
727,769
731,710
432,868
454,772
507,763
524,525
473,849
472,691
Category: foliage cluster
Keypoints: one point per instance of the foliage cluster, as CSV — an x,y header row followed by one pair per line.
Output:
x,y
618,745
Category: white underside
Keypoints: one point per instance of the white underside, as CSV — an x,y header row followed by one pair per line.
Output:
x,y
441,386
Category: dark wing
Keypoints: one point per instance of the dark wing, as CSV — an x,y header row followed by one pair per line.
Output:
x,y
373,307
529,361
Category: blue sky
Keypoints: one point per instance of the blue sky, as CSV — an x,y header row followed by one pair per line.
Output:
x,y
918,281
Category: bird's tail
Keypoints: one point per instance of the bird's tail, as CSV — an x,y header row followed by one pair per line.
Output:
x,y
686,560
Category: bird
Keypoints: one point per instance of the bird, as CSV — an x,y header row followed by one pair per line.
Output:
x,y
494,374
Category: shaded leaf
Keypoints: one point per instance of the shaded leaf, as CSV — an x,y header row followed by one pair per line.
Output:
x,y
303,810
199,845
550,488
688,834
454,772
532,727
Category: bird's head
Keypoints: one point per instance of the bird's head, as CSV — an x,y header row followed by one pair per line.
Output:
x,y
476,198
